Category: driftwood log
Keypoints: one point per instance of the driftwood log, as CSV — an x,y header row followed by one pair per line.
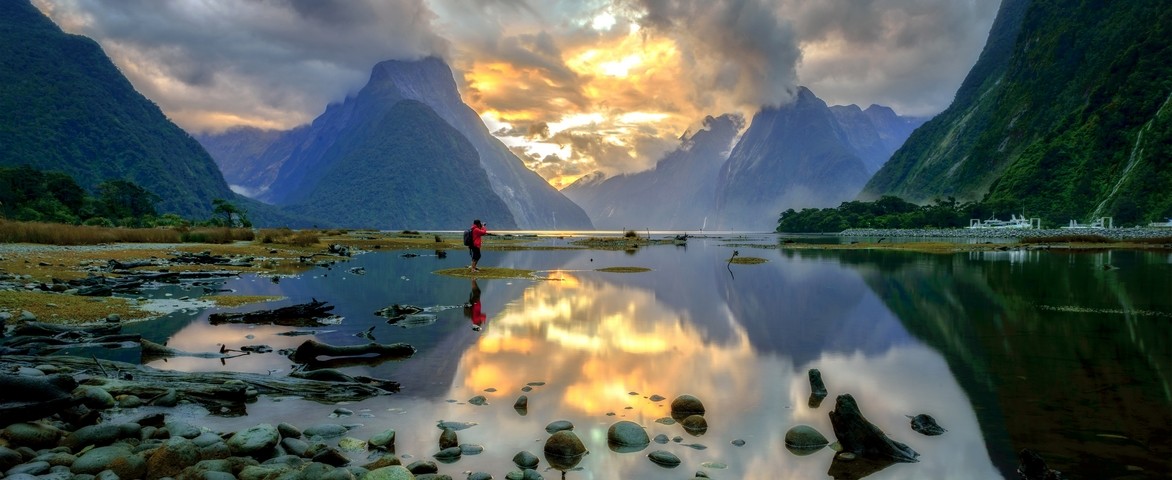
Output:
x,y
220,392
312,351
862,438
31,398
302,315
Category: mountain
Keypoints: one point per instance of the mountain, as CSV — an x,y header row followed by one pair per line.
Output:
x,y
875,133
793,156
1065,116
67,108
301,158
675,195
237,152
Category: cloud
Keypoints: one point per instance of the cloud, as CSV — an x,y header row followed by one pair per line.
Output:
x,y
910,55
277,63
740,48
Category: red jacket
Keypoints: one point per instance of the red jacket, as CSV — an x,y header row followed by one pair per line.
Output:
x,y
477,232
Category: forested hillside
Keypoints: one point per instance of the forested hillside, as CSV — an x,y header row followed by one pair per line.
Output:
x,y
1065,116
67,108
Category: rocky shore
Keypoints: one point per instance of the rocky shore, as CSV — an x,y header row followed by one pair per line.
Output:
x,y
1116,234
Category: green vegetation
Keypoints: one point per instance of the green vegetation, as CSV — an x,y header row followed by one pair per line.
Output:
x,y
1065,116
67,107
624,269
489,273
30,195
62,234
889,212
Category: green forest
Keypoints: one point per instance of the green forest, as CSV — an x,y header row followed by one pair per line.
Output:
x,y
891,212
30,195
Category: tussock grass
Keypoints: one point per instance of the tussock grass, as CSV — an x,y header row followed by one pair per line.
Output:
x,y
62,234
69,309
624,269
216,235
488,273
747,260
287,236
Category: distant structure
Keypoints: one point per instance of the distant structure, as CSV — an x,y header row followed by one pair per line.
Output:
x,y
1102,222
1013,222
1167,224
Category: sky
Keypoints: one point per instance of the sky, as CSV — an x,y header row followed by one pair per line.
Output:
x,y
572,86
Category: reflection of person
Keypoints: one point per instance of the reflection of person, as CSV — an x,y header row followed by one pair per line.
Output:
x,y
472,308
478,231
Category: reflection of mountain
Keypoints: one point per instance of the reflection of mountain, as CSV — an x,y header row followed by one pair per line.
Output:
x,y
803,311
1077,387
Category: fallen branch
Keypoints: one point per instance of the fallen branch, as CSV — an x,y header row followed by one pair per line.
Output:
x,y
311,350
302,315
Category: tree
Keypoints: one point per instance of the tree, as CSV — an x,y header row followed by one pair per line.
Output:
x,y
120,199
229,210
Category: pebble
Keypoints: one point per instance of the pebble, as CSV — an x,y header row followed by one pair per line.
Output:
x,y
664,458
558,425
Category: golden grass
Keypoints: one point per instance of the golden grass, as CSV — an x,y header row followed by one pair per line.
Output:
x,y
624,269
63,234
69,309
620,243
747,260
489,273
238,300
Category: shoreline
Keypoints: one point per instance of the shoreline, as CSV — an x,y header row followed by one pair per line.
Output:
x,y
1117,234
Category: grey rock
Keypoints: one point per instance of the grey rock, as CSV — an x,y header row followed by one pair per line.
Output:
x,y
448,439
32,435
27,316
558,425
393,472
449,454
479,476
117,458
422,466
30,468
384,439
564,443
664,458
100,435
686,405
471,449
628,435
9,458
661,439
695,425
288,430
478,400
205,439
172,457
522,404
182,429
804,438
57,458
524,459
263,472
332,457
926,425
326,430
254,441
296,446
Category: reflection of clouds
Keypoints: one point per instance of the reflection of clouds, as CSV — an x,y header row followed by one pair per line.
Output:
x,y
602,341
202,337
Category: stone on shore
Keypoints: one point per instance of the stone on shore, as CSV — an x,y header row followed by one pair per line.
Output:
x,y
686,405
118,458
257,441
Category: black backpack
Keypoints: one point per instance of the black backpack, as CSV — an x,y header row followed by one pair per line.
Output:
x,y
468,237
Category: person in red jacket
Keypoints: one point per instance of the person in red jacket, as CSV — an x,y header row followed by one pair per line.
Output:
x,y
472,308
478,231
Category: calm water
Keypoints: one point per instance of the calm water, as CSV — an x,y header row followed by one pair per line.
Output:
x,y
1066,354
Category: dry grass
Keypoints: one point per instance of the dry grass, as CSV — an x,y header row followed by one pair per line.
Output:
x,y
69,309
489,273
238,300
286,236
747,260
624,269
62,234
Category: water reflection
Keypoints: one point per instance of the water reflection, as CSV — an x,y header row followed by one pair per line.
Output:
x,y
960,337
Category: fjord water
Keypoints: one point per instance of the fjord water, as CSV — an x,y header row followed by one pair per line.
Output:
x,y
1068,354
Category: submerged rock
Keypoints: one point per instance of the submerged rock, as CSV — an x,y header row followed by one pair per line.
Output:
x,y
627,436
926,425
686,405
804,440
664,458
862,438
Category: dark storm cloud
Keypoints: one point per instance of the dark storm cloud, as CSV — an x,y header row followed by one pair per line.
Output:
x,y
274,62
742,48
